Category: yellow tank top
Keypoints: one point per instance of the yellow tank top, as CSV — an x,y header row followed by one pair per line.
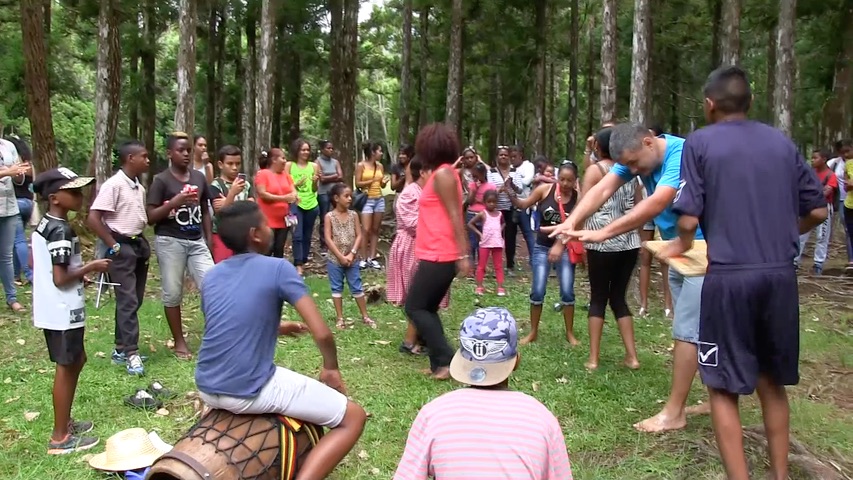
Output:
x,y
375,188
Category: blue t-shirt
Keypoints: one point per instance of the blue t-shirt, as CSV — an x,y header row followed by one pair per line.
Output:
x,y
749,187
668,174
241,299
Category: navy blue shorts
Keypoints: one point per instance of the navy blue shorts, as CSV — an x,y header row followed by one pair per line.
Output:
x,y
749,326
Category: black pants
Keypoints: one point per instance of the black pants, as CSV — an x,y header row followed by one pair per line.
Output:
x,y
609,275
510,238
430,283
129,268
279,238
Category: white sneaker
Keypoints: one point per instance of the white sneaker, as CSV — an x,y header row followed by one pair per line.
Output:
x,y
362,264
134,365
375,264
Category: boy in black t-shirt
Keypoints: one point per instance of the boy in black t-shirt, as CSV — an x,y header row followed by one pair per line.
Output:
x,y
58,304
177,206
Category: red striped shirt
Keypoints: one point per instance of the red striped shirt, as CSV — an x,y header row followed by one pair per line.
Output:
x,y
478,433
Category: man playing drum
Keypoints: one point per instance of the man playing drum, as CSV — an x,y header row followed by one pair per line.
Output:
x,y
242,298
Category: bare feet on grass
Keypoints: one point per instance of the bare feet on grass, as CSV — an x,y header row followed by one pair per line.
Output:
x,y
661,423
590,365
700,409
530,338
632,363
573,341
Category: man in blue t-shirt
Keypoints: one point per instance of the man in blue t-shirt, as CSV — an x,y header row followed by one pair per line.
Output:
x,y
241,299
749,326
657,161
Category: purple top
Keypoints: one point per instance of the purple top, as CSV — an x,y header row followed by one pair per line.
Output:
x,y
749,187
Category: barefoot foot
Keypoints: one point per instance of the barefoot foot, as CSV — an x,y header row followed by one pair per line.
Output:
x,y
590,365
528,339
700,409
572,340
632,363
441,374
661,423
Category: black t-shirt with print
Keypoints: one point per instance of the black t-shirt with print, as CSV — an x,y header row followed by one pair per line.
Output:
x,y
184,221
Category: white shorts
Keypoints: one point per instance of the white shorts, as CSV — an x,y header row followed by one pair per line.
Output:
x,y
291,394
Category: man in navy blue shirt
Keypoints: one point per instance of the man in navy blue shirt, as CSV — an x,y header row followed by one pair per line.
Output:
x,y
657,161
749,322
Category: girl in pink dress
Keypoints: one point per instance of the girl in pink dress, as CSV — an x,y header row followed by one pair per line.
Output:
x,y
401,258
491,241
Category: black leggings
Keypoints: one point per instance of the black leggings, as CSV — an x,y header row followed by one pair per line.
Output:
x,y
510,238
431,282
279,238
609,274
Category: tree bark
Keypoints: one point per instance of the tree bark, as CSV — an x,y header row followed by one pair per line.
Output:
x,y
590,77
343,81
236,53
405,75
539,113
574,57
249,70
716,20
36,84
107,89
263,99
730,33
770,97
608,62
494,113
837,115
784,101
219,93
148,56
423,78
640,63
294,88
133,62
282,55
210,74
185,109
454,66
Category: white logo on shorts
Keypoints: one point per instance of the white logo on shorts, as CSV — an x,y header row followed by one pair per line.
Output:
x,y
708,353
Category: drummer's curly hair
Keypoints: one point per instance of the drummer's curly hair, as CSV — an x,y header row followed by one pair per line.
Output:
x,y
235,223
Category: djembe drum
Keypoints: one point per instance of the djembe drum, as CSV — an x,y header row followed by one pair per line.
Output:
x,y
224,446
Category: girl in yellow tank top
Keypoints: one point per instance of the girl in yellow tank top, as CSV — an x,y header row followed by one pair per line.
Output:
x,y
370,178
373,173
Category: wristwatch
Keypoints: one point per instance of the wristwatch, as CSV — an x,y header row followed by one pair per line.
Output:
x,y
115,249
354,251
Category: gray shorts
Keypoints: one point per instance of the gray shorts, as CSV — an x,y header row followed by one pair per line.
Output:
x,y
176,255
686,298
291,394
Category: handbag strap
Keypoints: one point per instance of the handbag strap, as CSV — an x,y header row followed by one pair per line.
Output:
x,y
559,199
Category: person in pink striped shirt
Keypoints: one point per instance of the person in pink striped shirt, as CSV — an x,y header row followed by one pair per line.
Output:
x,y
485,430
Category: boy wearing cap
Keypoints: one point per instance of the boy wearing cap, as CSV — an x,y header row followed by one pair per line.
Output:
x,y
58,304
446,439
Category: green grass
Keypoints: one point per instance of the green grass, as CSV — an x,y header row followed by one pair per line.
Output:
x,y
596,410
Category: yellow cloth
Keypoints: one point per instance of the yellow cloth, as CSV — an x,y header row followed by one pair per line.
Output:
x,y
848,171
375,188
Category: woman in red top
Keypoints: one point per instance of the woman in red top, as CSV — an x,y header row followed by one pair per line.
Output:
x,y
441,242
275,193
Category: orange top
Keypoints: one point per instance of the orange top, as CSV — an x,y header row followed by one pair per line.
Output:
x,y
435,241
276,184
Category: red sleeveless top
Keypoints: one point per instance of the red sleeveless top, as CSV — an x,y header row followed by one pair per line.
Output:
x,y
435,241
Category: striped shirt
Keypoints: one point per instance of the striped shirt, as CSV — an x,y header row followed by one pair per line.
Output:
x,y
495,178
476,433
614,208
122,202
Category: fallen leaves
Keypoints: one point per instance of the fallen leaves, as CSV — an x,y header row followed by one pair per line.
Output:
x,y
21,341
100,354
162,412
8,380
13,399
535,386
30,416
562,380
380,342
363,455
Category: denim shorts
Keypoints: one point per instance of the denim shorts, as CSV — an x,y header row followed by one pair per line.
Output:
x,y
686,298
374,205
338,273
541,268
176,255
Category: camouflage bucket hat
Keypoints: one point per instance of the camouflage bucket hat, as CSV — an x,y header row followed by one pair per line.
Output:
x,y
488,349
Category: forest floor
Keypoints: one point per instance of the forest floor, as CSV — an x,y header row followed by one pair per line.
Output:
x,y
596,409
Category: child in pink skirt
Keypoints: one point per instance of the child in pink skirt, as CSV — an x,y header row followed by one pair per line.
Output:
x,y
491,241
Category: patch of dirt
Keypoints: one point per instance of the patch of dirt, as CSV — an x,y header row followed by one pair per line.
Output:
x,y
827,383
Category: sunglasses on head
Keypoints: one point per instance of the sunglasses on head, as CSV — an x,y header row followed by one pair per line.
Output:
x,y
503,147
567,162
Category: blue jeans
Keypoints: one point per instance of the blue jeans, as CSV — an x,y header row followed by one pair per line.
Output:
x,y
302,233
524,221
542,267
337,274
325,206
472,238
21,258
7,249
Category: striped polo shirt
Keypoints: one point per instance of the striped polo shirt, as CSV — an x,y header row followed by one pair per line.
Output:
x,y
480,433
122,201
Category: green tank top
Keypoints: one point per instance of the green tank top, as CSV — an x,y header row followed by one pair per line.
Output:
x,y
305,192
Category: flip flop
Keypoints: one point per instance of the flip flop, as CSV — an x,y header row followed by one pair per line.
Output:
x,y
183,356
157,390
369,322
143,399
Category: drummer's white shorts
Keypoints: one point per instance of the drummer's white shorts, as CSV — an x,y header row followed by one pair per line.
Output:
x,y
291,394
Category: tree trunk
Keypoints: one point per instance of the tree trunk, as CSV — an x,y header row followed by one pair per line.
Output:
x,y
295,90
552,108
675,85
219,93
185,109
405,75
107,89
133,108
266,55
574,56
785,65
343,81
48,23
591,59
540,86
36,84
423,78
454,66
730,33
640,63
770,97
716,19
148,55
609,41
282,55
837,115
237,56
494,112
249,71
210,74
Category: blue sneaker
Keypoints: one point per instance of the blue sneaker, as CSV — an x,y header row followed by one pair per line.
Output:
x,y
134,365
119,358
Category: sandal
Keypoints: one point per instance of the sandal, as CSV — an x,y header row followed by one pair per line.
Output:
x,y
341,324
143,399
157,390
183,356
16,307
369,322
416,350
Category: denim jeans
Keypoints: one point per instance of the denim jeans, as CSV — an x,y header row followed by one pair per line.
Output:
x,y
821,246
473,239
7,248
176,255
325,206
302,233
542,267
526,224
337,274
21,258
